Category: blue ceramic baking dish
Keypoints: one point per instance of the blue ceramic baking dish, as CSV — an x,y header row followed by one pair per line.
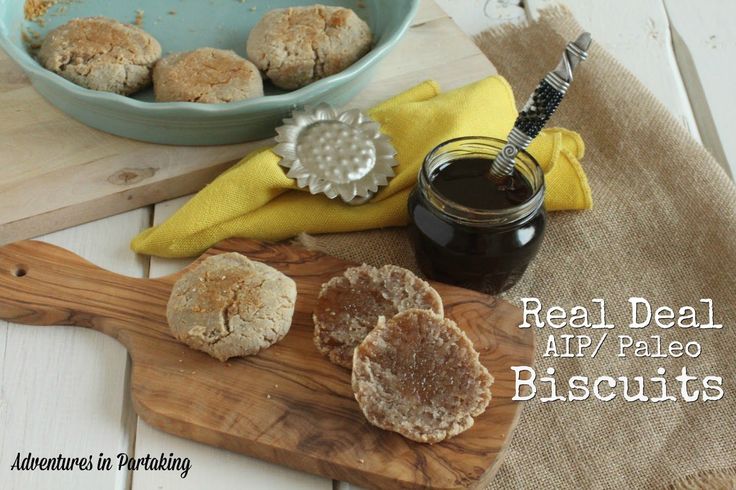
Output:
x,y
182,25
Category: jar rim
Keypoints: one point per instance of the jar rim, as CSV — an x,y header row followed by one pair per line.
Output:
x,y
476,216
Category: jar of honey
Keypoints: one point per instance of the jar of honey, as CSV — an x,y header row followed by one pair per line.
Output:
x,y
469,229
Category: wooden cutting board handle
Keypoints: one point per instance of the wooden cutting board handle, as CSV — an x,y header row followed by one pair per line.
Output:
x,y
41,284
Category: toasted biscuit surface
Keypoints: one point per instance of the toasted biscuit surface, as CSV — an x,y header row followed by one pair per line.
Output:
x,y
349,305
206,75
418,374
298,45
231,306
101,54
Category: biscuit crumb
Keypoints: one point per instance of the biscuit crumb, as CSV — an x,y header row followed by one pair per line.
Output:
x,y
268,396
361,461
32,9
138,17
31,39
252,9
275,386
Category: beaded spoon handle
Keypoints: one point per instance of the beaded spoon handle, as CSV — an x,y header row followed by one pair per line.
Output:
x,y
540,106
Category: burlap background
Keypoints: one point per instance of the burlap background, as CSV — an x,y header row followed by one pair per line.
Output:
x,y
663,227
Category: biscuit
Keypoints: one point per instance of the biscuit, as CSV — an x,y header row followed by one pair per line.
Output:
x,y
296,46
418,374
206,75
349,305
101,54
231,306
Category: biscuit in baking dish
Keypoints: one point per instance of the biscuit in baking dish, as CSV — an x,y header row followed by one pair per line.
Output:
x,y
298,45
206,75
101,54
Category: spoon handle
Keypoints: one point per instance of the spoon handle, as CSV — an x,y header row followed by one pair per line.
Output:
x,y
540,106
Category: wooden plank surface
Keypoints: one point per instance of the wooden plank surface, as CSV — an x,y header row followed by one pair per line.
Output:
x,y
475,16
64,390
85,174
705,47
288,404
636,32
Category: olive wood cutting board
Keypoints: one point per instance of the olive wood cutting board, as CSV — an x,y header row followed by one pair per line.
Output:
x,y
288,404
57,172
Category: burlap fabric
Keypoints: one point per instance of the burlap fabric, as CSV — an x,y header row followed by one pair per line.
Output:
x,y
664,228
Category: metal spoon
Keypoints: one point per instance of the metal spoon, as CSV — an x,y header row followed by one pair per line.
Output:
x,y
540,107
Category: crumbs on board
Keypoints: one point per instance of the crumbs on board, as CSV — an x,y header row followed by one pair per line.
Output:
x,y
31,39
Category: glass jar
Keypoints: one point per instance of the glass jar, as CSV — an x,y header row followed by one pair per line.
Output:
x,y
483,249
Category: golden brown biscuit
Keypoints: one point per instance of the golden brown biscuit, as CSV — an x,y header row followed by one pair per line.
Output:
x,y
231,306
206,75
296,46
101,54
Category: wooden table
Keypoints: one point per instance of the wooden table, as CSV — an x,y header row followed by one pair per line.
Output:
x,y
71,395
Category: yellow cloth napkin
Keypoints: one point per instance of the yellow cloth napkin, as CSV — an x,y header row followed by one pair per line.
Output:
x,y
255,199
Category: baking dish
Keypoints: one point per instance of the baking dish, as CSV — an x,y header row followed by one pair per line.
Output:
x,y
183,25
